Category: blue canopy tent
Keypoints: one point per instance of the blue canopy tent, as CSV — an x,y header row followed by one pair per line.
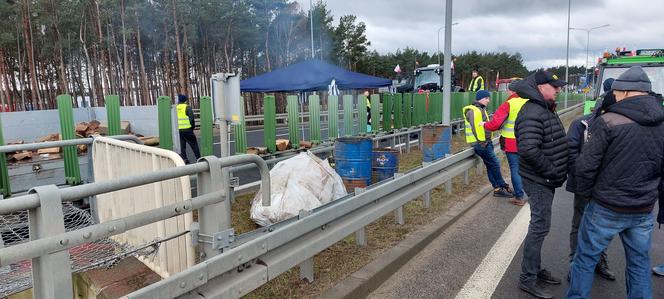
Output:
x,y
310,75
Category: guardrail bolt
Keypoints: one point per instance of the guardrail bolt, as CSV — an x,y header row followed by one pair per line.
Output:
x,y
200,277
183,284
87,235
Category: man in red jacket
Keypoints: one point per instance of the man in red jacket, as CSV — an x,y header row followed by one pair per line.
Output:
x,y
504,119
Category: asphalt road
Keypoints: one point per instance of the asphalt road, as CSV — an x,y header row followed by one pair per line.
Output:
x,y
460,263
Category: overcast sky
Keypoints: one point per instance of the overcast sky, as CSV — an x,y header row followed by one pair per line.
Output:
x,y
535,28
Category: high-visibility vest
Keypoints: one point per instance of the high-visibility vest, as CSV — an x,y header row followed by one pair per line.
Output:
x,y
368,102
183,119
508,125
477,84
478,116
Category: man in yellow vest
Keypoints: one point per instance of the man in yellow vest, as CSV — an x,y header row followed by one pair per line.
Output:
x,y
186,129
503,119
475,116
368,103
477,83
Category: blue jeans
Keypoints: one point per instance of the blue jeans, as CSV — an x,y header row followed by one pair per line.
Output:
x,y
517,184
598,226
492,164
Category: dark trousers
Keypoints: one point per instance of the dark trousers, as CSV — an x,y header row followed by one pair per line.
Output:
x,y
188,137
580,204
540,198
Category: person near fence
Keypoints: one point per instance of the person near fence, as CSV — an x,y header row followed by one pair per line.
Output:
x,y
368,104
475,116
621,169
503,119
186,128
577,135
477,83
543,154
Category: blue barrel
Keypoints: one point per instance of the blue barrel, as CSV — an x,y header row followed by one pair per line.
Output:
x,y
352,161
436,140
384,164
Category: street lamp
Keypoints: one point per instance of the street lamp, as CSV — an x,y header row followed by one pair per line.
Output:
x,y
439,29
588,30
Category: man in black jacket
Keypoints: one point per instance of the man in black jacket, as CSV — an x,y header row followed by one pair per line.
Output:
x,y
543,154
620,169
577,135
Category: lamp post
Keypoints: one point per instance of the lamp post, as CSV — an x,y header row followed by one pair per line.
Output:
x,y
569,9
439,29
588,30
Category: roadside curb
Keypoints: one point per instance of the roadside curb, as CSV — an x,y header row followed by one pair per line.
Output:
x,y
371,276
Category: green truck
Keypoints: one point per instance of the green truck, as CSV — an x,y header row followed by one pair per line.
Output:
x,y
612,66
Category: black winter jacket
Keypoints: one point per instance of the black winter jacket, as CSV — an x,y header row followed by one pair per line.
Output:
x,y
540,137
621,164
575,140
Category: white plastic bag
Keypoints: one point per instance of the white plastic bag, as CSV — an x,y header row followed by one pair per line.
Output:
x,y
303,182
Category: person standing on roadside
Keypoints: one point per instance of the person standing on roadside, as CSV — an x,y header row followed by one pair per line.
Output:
x,y
477,83
543,153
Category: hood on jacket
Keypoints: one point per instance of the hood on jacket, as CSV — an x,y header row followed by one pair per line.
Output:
x,y
646,110
527,89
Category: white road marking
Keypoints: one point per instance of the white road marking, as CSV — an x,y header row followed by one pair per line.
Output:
x,y
488,274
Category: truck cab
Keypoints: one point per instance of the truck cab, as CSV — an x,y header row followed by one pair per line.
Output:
x,y
429,78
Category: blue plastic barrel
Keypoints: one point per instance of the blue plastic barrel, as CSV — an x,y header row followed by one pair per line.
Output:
x,y
436,140
384,164
352,158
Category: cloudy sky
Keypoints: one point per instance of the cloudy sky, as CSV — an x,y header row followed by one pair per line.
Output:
x,y
535,28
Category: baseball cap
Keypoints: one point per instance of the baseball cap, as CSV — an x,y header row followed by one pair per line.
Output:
x,y
545,77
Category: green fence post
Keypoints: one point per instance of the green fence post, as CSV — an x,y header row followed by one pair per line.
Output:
x,y
375,113
113,114
387,111
332,117
362,114
206,126
348,115
67,132
165,122
293,110
241,132
270,123
436,99
408,110
398,111
314,118
4,173
419,113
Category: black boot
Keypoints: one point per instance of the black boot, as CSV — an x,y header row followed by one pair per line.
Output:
x,y
602,269
536,289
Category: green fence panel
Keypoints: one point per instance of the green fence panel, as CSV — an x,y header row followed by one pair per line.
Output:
x,y
270,123
375,113
362,114
457,103
420,109
332,117
348,115
241,132
314,119
398,110
4,173
387,111
293,111
67,132
112,103
437,111
165,122
408,110
206,126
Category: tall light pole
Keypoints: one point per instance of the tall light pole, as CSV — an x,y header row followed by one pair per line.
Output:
x,y
439,29
588,30
311,20
569,9
447,67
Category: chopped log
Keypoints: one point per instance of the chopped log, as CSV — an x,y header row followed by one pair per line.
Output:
x,y
282,144
50,150
306,144
22,155
150,140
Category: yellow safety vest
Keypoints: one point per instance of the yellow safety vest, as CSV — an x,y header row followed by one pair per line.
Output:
x,y
477,83
508,126
368,102
479,130
183,119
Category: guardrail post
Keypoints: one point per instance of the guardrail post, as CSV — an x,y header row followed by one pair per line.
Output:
x,y
165,123
206,126
348,115
293,110
466,177
112,103
307,270
314,119
67,132
448,186
361,234
270,123
241,132
215,220
362,114
426,198
5,189
398,110
398,213
332,117
51,273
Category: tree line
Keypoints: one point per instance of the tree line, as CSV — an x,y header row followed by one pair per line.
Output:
x,y
141,49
